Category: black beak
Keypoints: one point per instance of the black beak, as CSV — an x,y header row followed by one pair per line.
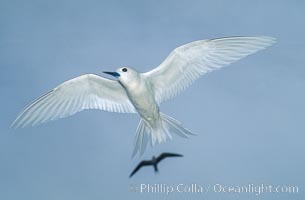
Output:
x,y
115,74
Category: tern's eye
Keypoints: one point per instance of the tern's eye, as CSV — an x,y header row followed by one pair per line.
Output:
x,y
124,70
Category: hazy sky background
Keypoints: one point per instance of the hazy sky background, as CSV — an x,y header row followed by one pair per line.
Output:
x,y
249,117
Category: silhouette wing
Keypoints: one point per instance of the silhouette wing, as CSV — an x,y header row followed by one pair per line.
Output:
x,y
188,62
88,91
164,155
141,164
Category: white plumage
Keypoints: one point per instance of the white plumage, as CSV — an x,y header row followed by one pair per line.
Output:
x,y
143,92
88,91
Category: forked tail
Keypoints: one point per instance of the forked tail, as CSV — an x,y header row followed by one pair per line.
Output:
x,y
146,133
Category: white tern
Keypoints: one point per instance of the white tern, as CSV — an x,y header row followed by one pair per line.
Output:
x,y
134,92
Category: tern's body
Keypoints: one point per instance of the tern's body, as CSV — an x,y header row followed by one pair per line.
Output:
x,y
140,94
135,92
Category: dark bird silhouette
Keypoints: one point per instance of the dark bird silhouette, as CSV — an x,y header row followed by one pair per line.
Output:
x,y
154,162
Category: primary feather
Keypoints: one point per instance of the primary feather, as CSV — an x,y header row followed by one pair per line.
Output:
x,y
84,92
188,62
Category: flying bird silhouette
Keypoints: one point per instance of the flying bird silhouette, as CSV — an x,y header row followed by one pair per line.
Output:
x,y
154,162
142,93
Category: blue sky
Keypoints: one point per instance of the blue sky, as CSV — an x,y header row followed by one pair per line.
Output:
x,y
249,117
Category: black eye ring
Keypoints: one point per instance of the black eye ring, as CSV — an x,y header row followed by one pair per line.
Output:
x,y
124,70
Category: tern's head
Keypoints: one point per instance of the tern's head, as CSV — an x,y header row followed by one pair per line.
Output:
x,y
124,74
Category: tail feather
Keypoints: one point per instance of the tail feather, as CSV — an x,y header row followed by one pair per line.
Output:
x,y
159,134
141,140
176,126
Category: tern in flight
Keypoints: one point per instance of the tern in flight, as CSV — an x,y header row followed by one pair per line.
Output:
x,y
154,162
142,93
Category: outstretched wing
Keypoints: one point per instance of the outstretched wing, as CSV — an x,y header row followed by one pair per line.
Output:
x,y
84,92
141,164
164,155
186,63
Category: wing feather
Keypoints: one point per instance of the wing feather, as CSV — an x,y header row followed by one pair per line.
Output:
x,y
88,91
188,62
